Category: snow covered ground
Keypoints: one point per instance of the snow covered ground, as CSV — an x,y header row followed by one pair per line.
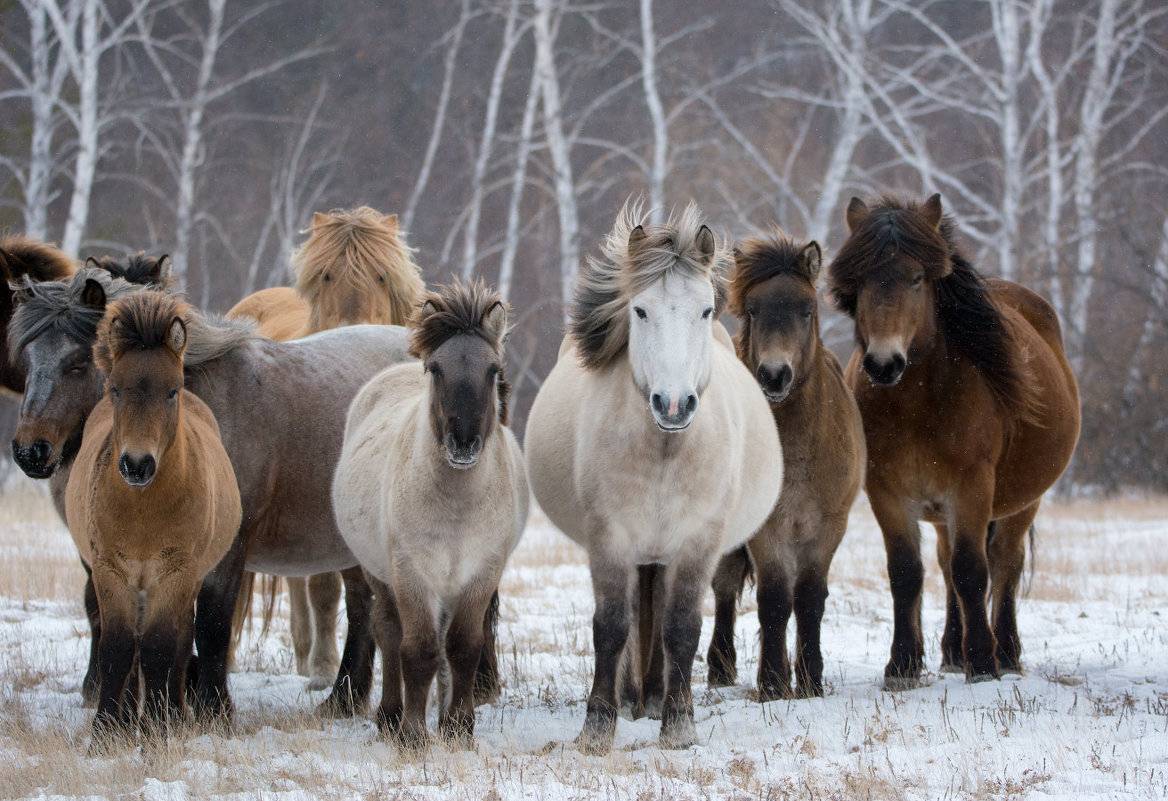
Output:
x,y
1090,718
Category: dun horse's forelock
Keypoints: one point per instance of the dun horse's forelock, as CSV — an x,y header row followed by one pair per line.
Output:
x,y
57,304
598,321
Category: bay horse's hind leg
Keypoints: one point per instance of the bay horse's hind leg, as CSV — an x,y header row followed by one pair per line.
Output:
x,y
906,577
214,611
91,684
729,579
1007,557
355,676
324,598
951,659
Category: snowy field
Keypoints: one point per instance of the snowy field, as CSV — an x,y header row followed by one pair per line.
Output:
x,y
1090,718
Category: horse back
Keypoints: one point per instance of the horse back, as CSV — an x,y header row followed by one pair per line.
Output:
x,y
280,312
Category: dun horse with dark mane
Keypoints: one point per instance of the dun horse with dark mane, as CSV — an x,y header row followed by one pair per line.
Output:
x,y
152,505
971,413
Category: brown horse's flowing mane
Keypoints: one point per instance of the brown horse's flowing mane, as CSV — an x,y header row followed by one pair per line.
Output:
x,y
139,321
459,308
137,268
22,256
969,320
360,246
598,320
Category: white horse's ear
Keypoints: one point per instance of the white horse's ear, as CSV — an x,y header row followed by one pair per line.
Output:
x,y
932,211
812,259
706,244
856,214
495,320
176,336
319,218
636,239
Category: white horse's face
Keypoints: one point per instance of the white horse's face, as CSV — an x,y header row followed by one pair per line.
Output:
x,y
670,336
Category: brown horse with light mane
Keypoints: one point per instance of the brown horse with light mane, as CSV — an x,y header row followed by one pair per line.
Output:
x,y
152,505
971,413
355,267
773,296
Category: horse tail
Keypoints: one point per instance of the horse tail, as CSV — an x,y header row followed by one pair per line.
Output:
x,y
269,593
241,615
1033,545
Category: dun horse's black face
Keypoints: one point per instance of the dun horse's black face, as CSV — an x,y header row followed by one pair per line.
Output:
x,y
61,389
783,319
464,397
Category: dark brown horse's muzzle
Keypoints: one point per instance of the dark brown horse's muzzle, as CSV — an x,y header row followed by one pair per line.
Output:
x,y
34,458
884,372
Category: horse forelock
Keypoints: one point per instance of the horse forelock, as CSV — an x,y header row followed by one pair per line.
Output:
x,y
140,321
453,309
359,245
598,318
759,259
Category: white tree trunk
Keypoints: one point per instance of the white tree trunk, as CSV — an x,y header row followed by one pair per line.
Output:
x,y
1048,94
565,191
1153,319
494,97
656,114
40,164
518,181
1004,15
85,165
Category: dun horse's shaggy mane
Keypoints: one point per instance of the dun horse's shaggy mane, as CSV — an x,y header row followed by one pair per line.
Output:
x,y
599,321
360,246
460,308
22,256
968,318
138,321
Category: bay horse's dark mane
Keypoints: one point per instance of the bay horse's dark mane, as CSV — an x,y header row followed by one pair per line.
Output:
x,y
969,320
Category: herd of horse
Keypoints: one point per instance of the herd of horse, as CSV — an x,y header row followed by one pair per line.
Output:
x,y
352,432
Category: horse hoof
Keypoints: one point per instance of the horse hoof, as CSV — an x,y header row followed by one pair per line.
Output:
x,y
318,683
680,734
952,667
809,691
897,684
653,708
629,711
773,692
978,678
595,739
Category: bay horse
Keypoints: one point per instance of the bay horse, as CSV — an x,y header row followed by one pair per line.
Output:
x,y
651,444
431,495
355,267
24,259
281,411
772,293
152,505
971,412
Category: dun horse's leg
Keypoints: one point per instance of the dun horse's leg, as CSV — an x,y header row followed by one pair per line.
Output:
x,y
163,632
116,652
487,675
906,576
420,653
729,579
951,659
324,596
1007,558
355,677
464,646
653,677
774,612
612,585
971,579
300,622
216,605
810,599
387,633
90,685
686,578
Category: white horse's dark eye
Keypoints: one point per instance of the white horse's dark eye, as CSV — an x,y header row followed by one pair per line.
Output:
x,y
640,312
706,314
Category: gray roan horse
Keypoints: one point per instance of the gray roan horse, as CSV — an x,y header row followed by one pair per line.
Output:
x,y
281,411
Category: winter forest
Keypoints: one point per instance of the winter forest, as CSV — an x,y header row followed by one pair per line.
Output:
x,y
506,134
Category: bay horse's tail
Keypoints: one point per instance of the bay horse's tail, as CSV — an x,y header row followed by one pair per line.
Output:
x,y
241,615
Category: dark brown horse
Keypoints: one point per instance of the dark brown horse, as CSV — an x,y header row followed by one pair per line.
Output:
x,y
971,413
772,293
24,259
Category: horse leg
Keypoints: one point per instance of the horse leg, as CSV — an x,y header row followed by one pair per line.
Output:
x,y
810,600
612,585
167,619
951,659
728,581
971,517
486,689
774,612
213,614
420,654
1007,557
116,653
324,598
90,685
387,633
653,675
300,622
464,647
355,676
906,577
682,626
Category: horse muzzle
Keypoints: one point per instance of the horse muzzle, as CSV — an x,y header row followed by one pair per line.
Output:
x,y
885,372
35,459
673,415
776,381
138,471
463,456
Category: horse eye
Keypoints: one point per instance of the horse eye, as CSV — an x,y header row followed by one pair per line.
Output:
x,y
918,279
381,279
117,393
327,278
640,312
172,394
706,314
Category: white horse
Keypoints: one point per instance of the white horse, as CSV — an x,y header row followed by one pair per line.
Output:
x,y
650,444
430,495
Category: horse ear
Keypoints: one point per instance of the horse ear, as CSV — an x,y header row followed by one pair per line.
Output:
x,y
932,211
176,336
90,261
812,259
706,244
93,294
390,220
495,320
319,218
856,214
636,239
161,270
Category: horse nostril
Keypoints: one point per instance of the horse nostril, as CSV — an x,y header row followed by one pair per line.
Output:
x,y
765,376
783,379
871,366
658,403
691,403
898,364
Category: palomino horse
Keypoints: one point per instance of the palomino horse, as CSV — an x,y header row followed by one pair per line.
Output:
x,y
355,267
772,293
281,411
431,496
971,413
651,444
152,505
23,259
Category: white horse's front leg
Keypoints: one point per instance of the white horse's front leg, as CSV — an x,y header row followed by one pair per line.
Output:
x,y
685,585
612,583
